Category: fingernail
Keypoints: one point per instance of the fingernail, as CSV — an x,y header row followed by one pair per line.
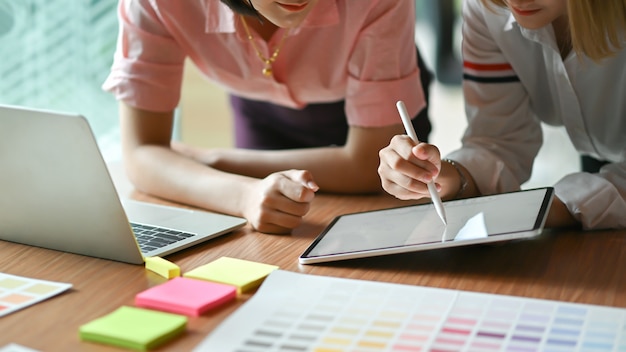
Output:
x,y
312,185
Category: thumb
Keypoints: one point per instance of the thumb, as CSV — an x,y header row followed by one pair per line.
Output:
x,y
429,153
303,177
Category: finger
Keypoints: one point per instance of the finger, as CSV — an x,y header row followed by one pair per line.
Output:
x,y
403,151
274,213
279,213
282,205
430,158
298,185
402,193
406,188
276,222
304,177
402,145
402,171
396,179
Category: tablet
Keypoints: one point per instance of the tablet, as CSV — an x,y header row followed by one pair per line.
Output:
x,y
483,219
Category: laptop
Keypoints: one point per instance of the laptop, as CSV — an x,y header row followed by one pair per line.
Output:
x,y
57,193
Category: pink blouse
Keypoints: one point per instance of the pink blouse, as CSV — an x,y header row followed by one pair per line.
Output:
x,y
361,51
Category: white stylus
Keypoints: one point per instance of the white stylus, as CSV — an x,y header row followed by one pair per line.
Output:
x,y
434,195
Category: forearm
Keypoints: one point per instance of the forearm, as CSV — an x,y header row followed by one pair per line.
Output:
x,y
335,169
350,169
161,172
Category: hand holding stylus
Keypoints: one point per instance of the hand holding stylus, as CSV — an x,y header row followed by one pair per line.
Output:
x,y
432,189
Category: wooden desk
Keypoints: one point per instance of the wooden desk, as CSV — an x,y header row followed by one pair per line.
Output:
x,y
569,266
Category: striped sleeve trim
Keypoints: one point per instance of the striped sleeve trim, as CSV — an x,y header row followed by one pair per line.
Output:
x,y
489,73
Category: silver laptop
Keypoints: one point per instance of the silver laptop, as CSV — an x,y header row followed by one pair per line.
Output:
x,y
56,193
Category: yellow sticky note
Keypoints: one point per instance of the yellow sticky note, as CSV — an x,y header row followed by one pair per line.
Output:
x,y
162,267
243,274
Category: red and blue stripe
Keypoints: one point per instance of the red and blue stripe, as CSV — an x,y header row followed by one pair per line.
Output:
x,y
489,73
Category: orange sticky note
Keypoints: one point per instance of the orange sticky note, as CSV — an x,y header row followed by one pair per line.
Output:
x,y
243,274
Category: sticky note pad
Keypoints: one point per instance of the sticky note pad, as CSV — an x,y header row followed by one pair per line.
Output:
x,y
162,267
134,328
186,296
243,274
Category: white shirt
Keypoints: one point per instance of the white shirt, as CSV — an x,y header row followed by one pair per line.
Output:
x,y
514,78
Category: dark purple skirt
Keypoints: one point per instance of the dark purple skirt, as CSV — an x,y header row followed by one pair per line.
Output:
x,y
262,125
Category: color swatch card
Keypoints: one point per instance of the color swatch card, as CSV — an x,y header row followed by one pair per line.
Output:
x,y
299,312
186,296
243,274
17,292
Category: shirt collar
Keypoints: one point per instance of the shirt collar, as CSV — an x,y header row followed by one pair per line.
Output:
x,y
221,19
544,35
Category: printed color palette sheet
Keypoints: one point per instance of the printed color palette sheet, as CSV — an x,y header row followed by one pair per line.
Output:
x,y
299,312
17,292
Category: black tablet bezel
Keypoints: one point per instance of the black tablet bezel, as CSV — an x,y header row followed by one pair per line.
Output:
x,y
536,229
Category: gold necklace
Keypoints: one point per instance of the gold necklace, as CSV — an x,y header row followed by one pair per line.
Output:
x,y
267,70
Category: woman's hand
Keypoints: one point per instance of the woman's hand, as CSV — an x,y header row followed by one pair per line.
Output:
x,y
559,216
277,203
405,168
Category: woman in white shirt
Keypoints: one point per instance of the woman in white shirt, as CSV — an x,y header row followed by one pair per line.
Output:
x,y
525,62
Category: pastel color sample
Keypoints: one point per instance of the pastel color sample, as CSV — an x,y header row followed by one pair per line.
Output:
x,y
18,292
162,267
13,282
41,289
186,296
134,328
243,274
16,298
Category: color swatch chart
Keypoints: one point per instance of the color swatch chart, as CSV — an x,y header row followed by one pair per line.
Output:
x,y
298,312
17,292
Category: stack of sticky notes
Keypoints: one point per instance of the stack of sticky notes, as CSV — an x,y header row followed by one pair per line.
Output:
x,y
134,328
186,296
160,312
243,274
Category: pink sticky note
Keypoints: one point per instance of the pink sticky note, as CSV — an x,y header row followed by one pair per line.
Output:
x,y
186,296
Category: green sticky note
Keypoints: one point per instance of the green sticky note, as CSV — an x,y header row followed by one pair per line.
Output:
x,y
243,274
134,328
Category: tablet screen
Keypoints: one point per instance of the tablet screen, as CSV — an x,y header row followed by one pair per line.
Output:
x,y
473,220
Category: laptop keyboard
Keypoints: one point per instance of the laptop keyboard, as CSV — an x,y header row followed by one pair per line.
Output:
x,y
150,238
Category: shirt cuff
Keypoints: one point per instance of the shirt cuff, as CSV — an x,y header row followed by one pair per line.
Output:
x,y
489,173
592,200
152,87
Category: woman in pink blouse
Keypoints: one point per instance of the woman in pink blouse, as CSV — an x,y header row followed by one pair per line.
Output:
x,y
313,86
